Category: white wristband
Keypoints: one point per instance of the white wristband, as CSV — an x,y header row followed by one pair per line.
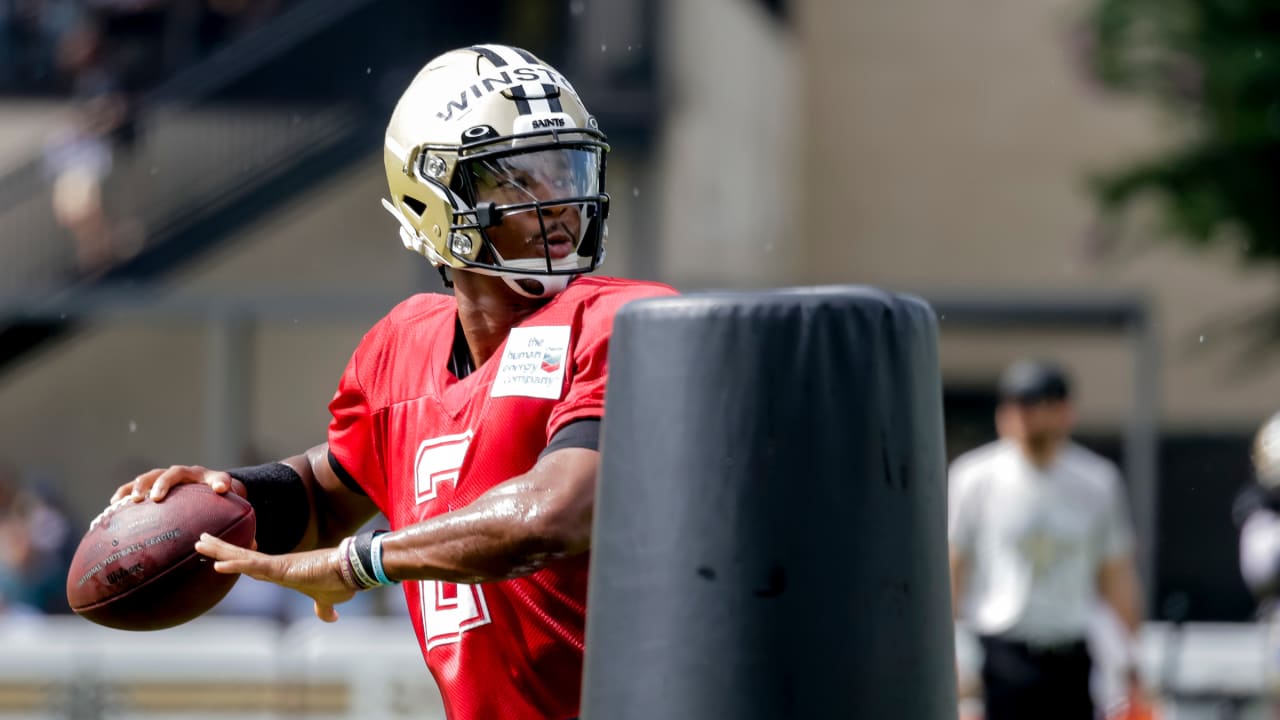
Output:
x,y
375,550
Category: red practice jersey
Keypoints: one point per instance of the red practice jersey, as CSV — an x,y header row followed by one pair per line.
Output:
x,y
421,442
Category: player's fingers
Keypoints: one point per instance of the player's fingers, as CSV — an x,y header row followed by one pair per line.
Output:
x,y
326,612
228,567
242,566
209,546
175,475
230,559
219,549
238,487
140,485
121,493
218,480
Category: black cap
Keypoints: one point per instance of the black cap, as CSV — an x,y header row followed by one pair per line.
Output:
x,y
1030,381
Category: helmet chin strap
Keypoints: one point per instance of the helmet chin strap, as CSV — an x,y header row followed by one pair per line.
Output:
x,y
550,284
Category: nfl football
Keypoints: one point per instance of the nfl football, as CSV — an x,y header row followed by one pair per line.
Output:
x,y
137,567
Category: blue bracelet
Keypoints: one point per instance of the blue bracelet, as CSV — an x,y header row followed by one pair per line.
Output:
x,y
375,552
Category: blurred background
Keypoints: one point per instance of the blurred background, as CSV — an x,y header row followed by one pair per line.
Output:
x,y
191,245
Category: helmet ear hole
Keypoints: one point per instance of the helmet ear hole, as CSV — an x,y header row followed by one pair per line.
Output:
x,y
417,206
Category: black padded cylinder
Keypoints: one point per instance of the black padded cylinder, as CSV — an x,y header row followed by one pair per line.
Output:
x,y
770,525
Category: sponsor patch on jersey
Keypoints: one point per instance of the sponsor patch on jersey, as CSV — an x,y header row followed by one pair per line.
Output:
x,y
533,362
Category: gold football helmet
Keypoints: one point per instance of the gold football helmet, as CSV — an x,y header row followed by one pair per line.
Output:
x,y
496,167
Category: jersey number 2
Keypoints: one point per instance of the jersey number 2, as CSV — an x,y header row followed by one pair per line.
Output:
x,y
448,609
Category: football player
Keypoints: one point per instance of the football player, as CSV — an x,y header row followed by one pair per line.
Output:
x,y
470,421
1256,511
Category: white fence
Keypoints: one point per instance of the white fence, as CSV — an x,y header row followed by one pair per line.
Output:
x,y
64,667
369,668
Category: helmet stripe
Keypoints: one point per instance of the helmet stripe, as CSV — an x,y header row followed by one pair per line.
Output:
x,y
526,95
553,98
526,55
521,96
489,54
501,55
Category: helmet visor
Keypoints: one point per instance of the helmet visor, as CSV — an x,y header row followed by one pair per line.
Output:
x,y
537,210
541,176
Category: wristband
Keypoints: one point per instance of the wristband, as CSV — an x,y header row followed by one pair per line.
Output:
x,y
364,576
376,556
344,565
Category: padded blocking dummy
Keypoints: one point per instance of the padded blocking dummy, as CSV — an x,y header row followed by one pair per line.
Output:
x,y
770,524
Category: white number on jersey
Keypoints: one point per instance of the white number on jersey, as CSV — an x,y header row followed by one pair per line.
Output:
x,y
438,461
448,609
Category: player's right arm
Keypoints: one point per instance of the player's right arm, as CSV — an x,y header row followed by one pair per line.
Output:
x,y
959,575
305,498
961,529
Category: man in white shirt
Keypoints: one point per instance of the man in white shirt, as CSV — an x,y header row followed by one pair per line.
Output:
x,y
1039,531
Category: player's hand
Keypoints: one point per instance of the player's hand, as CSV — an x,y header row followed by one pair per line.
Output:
x,y
157,483
1138,703
316,573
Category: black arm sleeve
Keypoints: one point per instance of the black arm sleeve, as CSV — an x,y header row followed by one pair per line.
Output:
x,y
347,480
583,433
279,503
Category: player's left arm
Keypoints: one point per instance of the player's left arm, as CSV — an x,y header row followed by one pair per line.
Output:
x,y
1118,585
1119,588
511,530
1116,576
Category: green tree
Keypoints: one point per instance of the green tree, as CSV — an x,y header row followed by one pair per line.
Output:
x,y
1217,63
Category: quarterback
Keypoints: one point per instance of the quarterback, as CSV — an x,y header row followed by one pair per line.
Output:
x,y
471,420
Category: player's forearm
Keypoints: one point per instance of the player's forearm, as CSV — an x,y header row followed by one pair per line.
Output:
x,y
959,568
514,529
329,518
1128,607
486,541
1119,587
310,536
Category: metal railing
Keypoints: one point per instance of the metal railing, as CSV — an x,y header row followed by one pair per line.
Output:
x,y
205,139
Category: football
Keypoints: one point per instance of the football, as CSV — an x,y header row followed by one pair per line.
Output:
x,y
137,567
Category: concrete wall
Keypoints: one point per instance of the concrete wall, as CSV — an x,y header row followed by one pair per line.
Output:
x,y
727,158
937,148
949,146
